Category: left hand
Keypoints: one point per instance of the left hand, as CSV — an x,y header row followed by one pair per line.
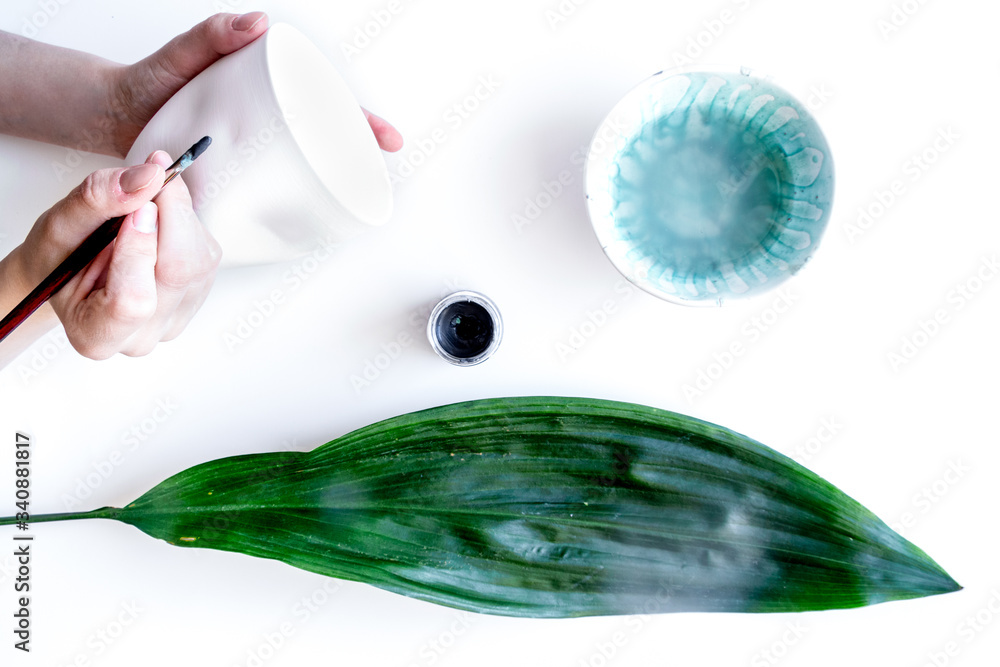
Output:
x,y
138,91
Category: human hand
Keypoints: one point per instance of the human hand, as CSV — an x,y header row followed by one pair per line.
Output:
x,y
83,102
142,289
138,91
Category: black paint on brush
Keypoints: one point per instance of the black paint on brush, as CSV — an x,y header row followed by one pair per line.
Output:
x,y
197,149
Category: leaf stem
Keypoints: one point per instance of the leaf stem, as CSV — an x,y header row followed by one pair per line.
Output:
x,y
100,513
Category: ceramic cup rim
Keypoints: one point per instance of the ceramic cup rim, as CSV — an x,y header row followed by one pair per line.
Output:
x,y
282,31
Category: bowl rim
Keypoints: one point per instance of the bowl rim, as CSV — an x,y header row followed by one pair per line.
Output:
x,y
637,275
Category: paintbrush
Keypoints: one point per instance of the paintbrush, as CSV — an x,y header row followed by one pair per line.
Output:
x,y
88,251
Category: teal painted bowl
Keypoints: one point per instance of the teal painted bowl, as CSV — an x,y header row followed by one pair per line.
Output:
x,y
708,186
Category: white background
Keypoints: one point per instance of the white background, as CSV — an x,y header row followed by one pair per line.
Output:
x,y
880,97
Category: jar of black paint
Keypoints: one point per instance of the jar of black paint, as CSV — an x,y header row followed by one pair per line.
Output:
x,y
465,328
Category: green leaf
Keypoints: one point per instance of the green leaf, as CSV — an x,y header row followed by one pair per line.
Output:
x,y
547,507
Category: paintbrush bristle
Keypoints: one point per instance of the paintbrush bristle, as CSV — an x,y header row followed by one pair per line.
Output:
x,y
192,153
184,161
200,147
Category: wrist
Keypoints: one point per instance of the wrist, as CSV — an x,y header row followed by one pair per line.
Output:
x,y
56,95
16,282
117,125
14,286
15,278
109,119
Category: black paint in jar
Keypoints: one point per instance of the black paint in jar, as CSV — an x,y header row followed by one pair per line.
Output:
x,y
465,328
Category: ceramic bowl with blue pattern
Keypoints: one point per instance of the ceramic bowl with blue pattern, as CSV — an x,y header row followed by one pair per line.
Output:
x,y
708,186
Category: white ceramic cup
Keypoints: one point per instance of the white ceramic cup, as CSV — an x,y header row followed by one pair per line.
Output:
x,y
293,162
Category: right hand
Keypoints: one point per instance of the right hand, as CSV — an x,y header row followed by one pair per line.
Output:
x,y
143,288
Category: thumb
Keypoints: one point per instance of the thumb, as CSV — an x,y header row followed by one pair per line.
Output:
x,y
130,288
153,80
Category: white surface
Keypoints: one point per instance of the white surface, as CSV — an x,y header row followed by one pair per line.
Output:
x,y
542,90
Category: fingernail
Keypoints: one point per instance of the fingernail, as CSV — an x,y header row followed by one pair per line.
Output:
x,y
136,178
144,220
246,22
159,157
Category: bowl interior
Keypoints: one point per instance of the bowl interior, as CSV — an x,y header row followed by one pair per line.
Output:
x,y
705,186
